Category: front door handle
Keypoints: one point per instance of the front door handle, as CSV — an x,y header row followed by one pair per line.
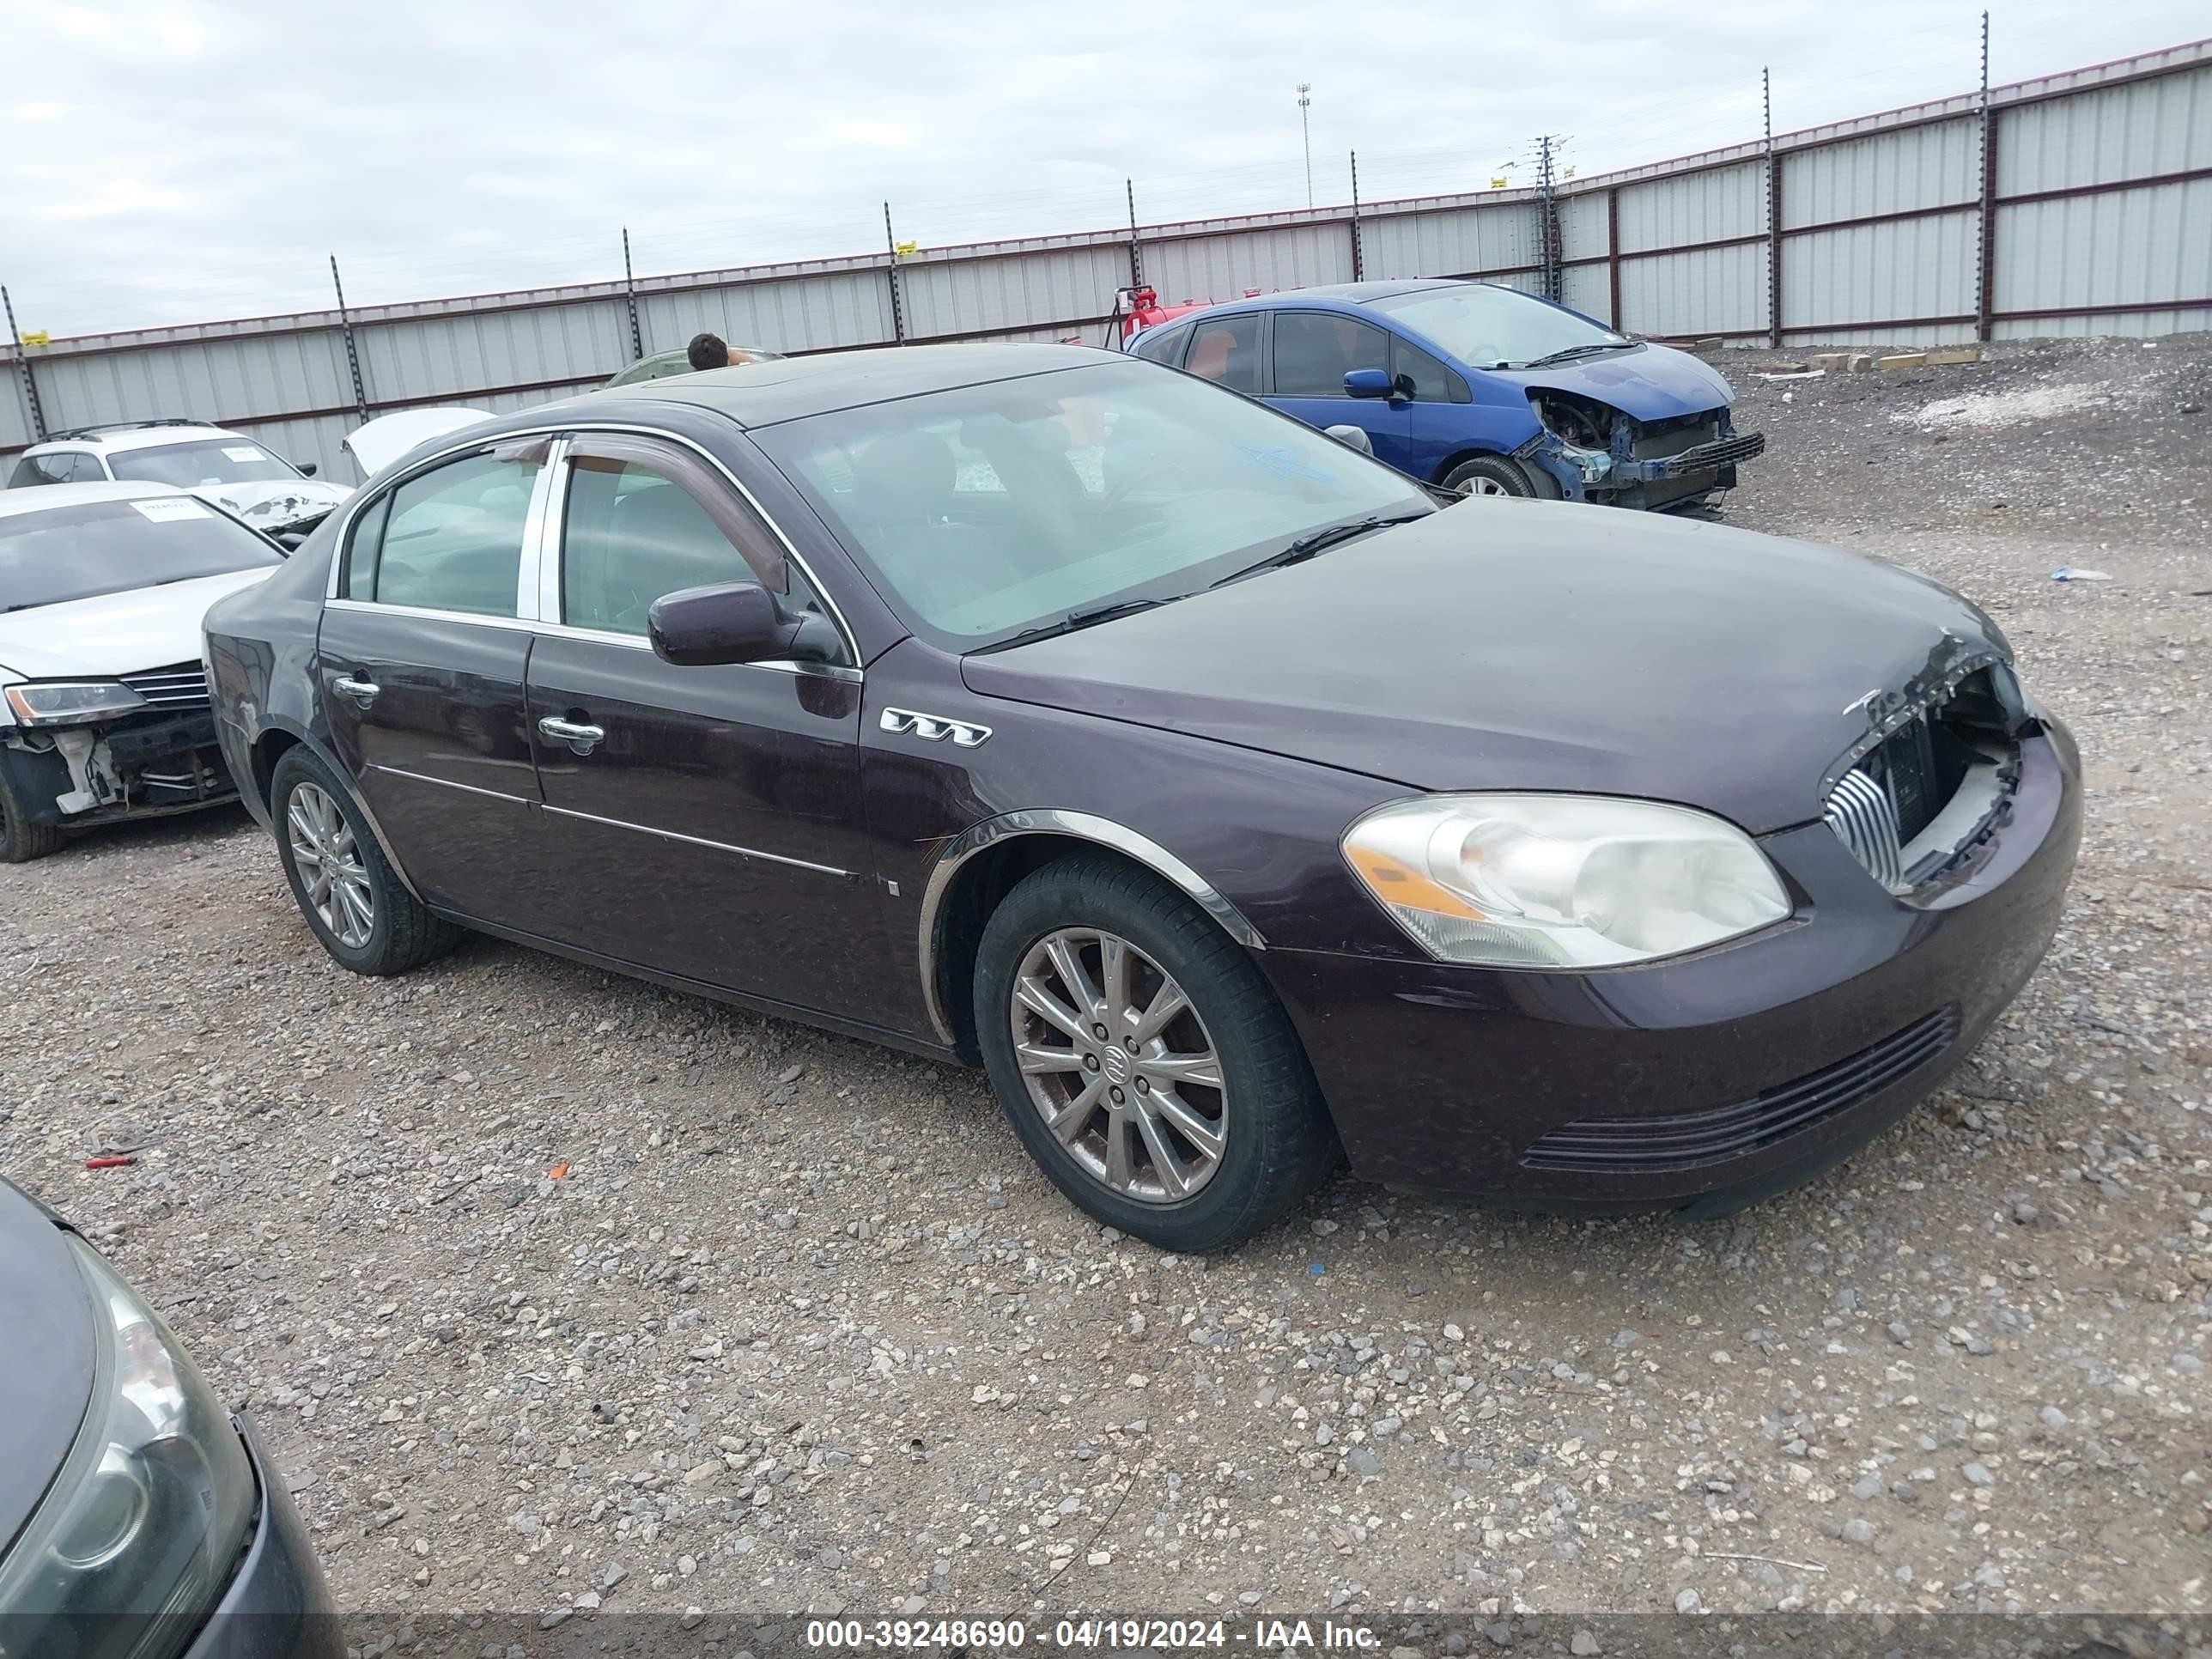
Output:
x,y
581,740
362,691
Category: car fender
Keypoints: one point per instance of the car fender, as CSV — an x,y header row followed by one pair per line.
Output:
x,y
1080,826
250,788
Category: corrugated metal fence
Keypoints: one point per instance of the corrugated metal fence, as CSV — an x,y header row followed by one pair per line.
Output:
x,y
2075,203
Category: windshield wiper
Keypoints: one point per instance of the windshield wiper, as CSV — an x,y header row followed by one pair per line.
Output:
x,y
1075,619
1319,540
1569,353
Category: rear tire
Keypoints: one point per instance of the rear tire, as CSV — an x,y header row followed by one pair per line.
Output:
x,y
22,840
1490,474
1192,1130
352,898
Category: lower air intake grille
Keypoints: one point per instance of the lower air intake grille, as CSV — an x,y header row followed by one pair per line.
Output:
x,y
1630,1145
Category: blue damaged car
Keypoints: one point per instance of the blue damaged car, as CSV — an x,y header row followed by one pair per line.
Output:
x,y
1477,388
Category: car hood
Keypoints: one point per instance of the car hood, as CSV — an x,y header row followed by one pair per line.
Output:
x,y
275,503
383,440
1651,382
47,1365
110,634
1521,645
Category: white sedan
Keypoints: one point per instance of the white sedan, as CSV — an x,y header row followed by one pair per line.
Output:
x,y
103,697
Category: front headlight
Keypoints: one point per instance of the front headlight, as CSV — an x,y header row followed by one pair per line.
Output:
x,y
72,702
1561,881
133,1543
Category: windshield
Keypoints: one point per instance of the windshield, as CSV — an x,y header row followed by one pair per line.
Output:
x,y
64,553
986,511
202,461
1487,327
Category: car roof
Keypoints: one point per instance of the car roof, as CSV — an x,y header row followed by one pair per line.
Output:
x,y
119,438
1329,293
14,503
792,388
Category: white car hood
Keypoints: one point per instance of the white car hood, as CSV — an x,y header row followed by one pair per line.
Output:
x,y
112,633
273,503
388,437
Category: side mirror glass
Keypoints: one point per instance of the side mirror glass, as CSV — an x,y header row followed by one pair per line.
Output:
x,y
1368,383
1351,437
308,471
732,622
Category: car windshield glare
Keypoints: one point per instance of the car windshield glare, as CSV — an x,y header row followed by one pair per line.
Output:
x,y
93,548
987,511
1489,327
202,461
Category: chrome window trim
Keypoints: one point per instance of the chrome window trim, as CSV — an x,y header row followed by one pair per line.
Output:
x,y
698,840
557,429
541,520
424,613
1084,826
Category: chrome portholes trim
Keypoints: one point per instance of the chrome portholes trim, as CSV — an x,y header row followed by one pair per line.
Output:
x,y
700,841
933,728
1082,826
557,429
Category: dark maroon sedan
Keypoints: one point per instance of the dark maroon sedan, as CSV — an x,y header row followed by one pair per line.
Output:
x,y
1231,802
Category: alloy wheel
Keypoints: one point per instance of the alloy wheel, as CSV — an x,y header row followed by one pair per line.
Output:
x,y
328,862
1484,486
1119,1066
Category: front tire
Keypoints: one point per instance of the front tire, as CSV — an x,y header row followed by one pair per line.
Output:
x,y
1489,475
347,889
22,840
1142,1059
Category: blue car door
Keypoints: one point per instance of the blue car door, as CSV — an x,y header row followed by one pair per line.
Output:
x,y
1442,418
1312,351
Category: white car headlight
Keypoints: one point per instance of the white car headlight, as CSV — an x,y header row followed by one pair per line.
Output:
x,y
72,702
1561,881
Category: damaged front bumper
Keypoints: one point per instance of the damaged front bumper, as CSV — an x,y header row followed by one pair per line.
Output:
x,y
1642,464
147,766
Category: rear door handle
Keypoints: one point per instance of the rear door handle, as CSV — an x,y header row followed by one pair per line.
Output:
x,y
581,740
362,691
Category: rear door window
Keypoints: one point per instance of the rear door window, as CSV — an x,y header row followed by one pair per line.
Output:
x,y
1226,350
1163,345
451,538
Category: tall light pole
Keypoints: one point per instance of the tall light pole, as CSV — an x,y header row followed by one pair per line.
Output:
x,y
1305,131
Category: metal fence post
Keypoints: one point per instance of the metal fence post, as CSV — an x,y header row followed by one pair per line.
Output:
x,y
1547,221
1358,263
353,356
890,271
1773,216
23,368
1613,253
1986,260
1136,252
629,294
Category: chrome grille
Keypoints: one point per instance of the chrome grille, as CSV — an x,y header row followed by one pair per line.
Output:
x,y
1864,818
176,689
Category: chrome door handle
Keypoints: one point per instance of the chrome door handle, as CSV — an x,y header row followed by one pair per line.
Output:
x,y
362,691
583,740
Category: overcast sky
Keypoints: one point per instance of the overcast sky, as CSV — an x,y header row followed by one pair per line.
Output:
x,y
180,160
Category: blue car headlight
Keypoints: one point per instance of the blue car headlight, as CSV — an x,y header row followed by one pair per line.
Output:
x,y
137,1536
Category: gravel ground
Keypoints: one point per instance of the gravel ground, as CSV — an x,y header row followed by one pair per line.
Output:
x,y
551,1289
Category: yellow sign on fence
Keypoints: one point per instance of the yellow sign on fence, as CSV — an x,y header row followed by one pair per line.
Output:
x,y
37,336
